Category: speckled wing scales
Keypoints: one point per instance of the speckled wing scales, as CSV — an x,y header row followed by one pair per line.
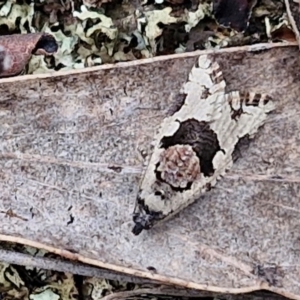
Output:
x,y
194,146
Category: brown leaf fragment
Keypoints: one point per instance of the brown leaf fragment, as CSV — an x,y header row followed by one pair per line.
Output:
x,y
16,50
283,33
293,12
233,13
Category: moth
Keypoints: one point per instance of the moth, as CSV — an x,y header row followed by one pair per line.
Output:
x,y
193,147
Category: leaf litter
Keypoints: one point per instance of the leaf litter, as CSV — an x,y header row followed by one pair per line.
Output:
x,y
94,32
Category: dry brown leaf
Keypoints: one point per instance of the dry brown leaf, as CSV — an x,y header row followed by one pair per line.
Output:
x,y
283,33
16,50
71,152
293,12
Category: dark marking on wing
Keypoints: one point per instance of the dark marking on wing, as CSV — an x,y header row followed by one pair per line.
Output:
x,y
201,138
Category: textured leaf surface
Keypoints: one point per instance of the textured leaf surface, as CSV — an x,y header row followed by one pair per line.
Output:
x,y
72,154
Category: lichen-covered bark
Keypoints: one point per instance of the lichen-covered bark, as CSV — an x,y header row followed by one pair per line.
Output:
x,y
72,153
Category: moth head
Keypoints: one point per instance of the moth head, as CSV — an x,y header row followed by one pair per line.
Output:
x,y
144,218
142,222
177,169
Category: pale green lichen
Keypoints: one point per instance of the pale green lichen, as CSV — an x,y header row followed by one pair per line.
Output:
x,y
45,295
153,18
99,286
89,36
10,12
105,24
12,276
193,18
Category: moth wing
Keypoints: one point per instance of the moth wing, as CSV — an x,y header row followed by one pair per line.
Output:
x,y
205,78
156,197
194,147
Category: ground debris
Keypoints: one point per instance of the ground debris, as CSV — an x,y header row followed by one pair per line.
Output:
x,y
91,32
